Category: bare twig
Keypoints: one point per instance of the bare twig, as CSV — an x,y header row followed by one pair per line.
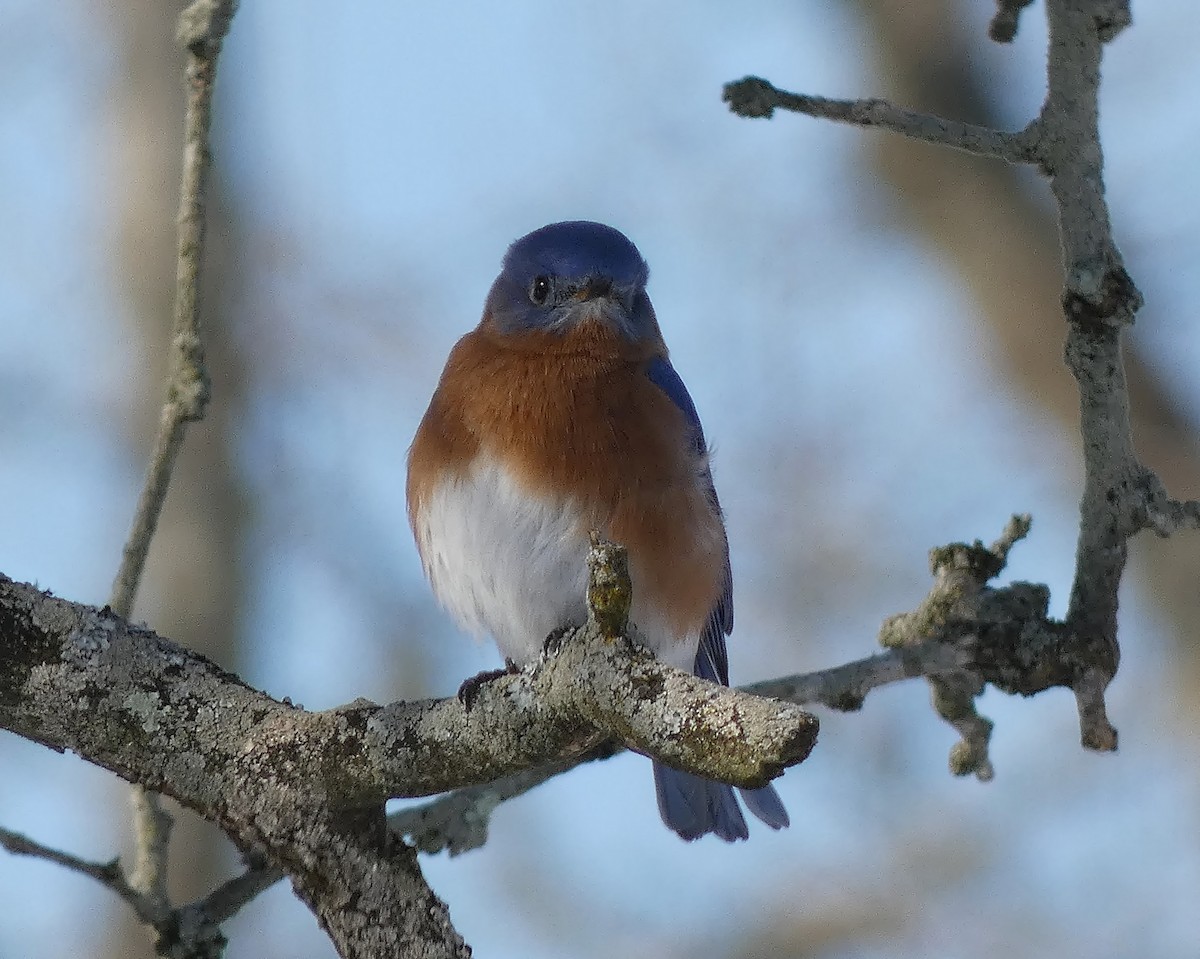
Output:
x,y
152,846
845,687
108,874
202,28
224,902
1165,515
458,822
179,936
754,97
1003,28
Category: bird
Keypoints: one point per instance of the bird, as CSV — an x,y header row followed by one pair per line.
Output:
x,y
560,414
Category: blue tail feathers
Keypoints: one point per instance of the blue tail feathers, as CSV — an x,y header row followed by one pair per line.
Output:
x,y
690,805
694,807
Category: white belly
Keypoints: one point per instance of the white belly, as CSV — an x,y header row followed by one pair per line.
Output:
x,y
504,562
513,565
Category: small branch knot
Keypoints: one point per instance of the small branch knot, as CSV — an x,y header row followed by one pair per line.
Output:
x,y
751,97
1095,731
203,24
610,591
1003,28
1102,298
190,387
959,605
1112,17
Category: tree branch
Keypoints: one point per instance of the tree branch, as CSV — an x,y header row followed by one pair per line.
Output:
x,y
754,97
963,632
455,823
176,939
180,715
458,822
306,790
174,721
108,874
1099,299
1003,28
1165,515
202,28
1120,496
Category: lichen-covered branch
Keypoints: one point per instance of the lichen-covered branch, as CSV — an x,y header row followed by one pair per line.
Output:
x,y
169,718
306,790
454,823
71,676
963,635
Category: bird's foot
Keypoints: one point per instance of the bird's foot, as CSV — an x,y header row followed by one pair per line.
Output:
x,y
468,692
554,641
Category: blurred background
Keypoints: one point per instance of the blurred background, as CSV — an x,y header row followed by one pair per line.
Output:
x,y
870,330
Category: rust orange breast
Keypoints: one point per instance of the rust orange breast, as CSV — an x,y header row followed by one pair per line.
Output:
x,y
576,417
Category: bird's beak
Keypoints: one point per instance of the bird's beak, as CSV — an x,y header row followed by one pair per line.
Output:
x,y
594,288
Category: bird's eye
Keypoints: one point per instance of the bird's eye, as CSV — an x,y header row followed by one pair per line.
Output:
x,y
539,290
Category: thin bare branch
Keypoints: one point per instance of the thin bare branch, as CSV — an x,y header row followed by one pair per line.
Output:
x,y
1003,28
224,902
181,934
458,821
152,846
845,687
754,97
202,28
108,874
1167,516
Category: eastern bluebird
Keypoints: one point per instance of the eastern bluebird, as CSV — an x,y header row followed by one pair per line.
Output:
x,y
559,414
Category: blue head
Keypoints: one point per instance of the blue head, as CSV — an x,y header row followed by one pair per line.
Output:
x,y
567,273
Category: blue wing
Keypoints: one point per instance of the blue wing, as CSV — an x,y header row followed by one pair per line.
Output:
x,y
688,804
662,374
712,660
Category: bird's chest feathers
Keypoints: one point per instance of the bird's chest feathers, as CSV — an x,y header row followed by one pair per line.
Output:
x,y
545,446
588,426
